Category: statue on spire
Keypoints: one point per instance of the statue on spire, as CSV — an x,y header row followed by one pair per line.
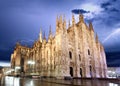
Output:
x,y
60,21
44,36
40,35
81,18
73,19
64,22
50,32
17,44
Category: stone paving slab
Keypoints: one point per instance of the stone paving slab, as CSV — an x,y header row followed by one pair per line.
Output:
x,y
83,82
63,82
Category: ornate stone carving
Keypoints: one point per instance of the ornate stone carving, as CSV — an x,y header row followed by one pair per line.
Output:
x,y
51,58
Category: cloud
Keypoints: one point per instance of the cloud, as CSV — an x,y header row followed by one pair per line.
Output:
x,y
105,5
26,19
91,7
105,18
91,10
78,11
114,0
114,10
109,6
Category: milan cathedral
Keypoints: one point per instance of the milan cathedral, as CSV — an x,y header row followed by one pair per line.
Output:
x,y
74,51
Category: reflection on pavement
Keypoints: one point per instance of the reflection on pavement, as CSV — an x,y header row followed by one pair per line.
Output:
x,y
16,81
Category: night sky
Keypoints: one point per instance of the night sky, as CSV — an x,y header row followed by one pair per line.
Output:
x,y
21,20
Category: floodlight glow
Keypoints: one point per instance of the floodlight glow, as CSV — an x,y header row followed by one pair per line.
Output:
x,y
109,71
113,72
17,67
31,62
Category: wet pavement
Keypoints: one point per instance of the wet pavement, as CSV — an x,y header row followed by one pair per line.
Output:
x,y
16,81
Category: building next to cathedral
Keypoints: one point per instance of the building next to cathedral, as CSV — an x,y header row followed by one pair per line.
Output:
x,y
73,52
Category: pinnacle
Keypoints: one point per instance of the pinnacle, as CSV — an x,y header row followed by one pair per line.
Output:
x,y
40,35
50,32
91,26
81,18
73,19
96,38
44,37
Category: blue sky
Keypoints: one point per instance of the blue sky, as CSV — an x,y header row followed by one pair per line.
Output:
x,y
21,20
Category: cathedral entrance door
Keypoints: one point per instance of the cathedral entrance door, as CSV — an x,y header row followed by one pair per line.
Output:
x,y
90,71
81,72
22,64
71,71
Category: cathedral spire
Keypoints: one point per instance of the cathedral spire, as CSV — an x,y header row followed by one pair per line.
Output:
x,y
64,22
40,35
96,38
60,20
57,24
91,27
50,32
81,18
69,23
44,36
50,35
18,43
57,21
73,19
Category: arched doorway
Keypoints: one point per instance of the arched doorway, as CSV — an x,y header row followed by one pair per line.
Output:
x,y
81,72
90,70
71,71
22,64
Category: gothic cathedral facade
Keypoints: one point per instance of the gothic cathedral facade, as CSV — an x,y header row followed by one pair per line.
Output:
x,y
73,52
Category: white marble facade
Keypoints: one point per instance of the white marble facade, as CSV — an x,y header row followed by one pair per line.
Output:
x,y
73,52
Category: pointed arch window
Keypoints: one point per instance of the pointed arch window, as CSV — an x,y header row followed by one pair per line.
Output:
x,y
79,57
88,52
70,54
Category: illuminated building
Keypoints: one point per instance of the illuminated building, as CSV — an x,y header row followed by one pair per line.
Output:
x,y
74,51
